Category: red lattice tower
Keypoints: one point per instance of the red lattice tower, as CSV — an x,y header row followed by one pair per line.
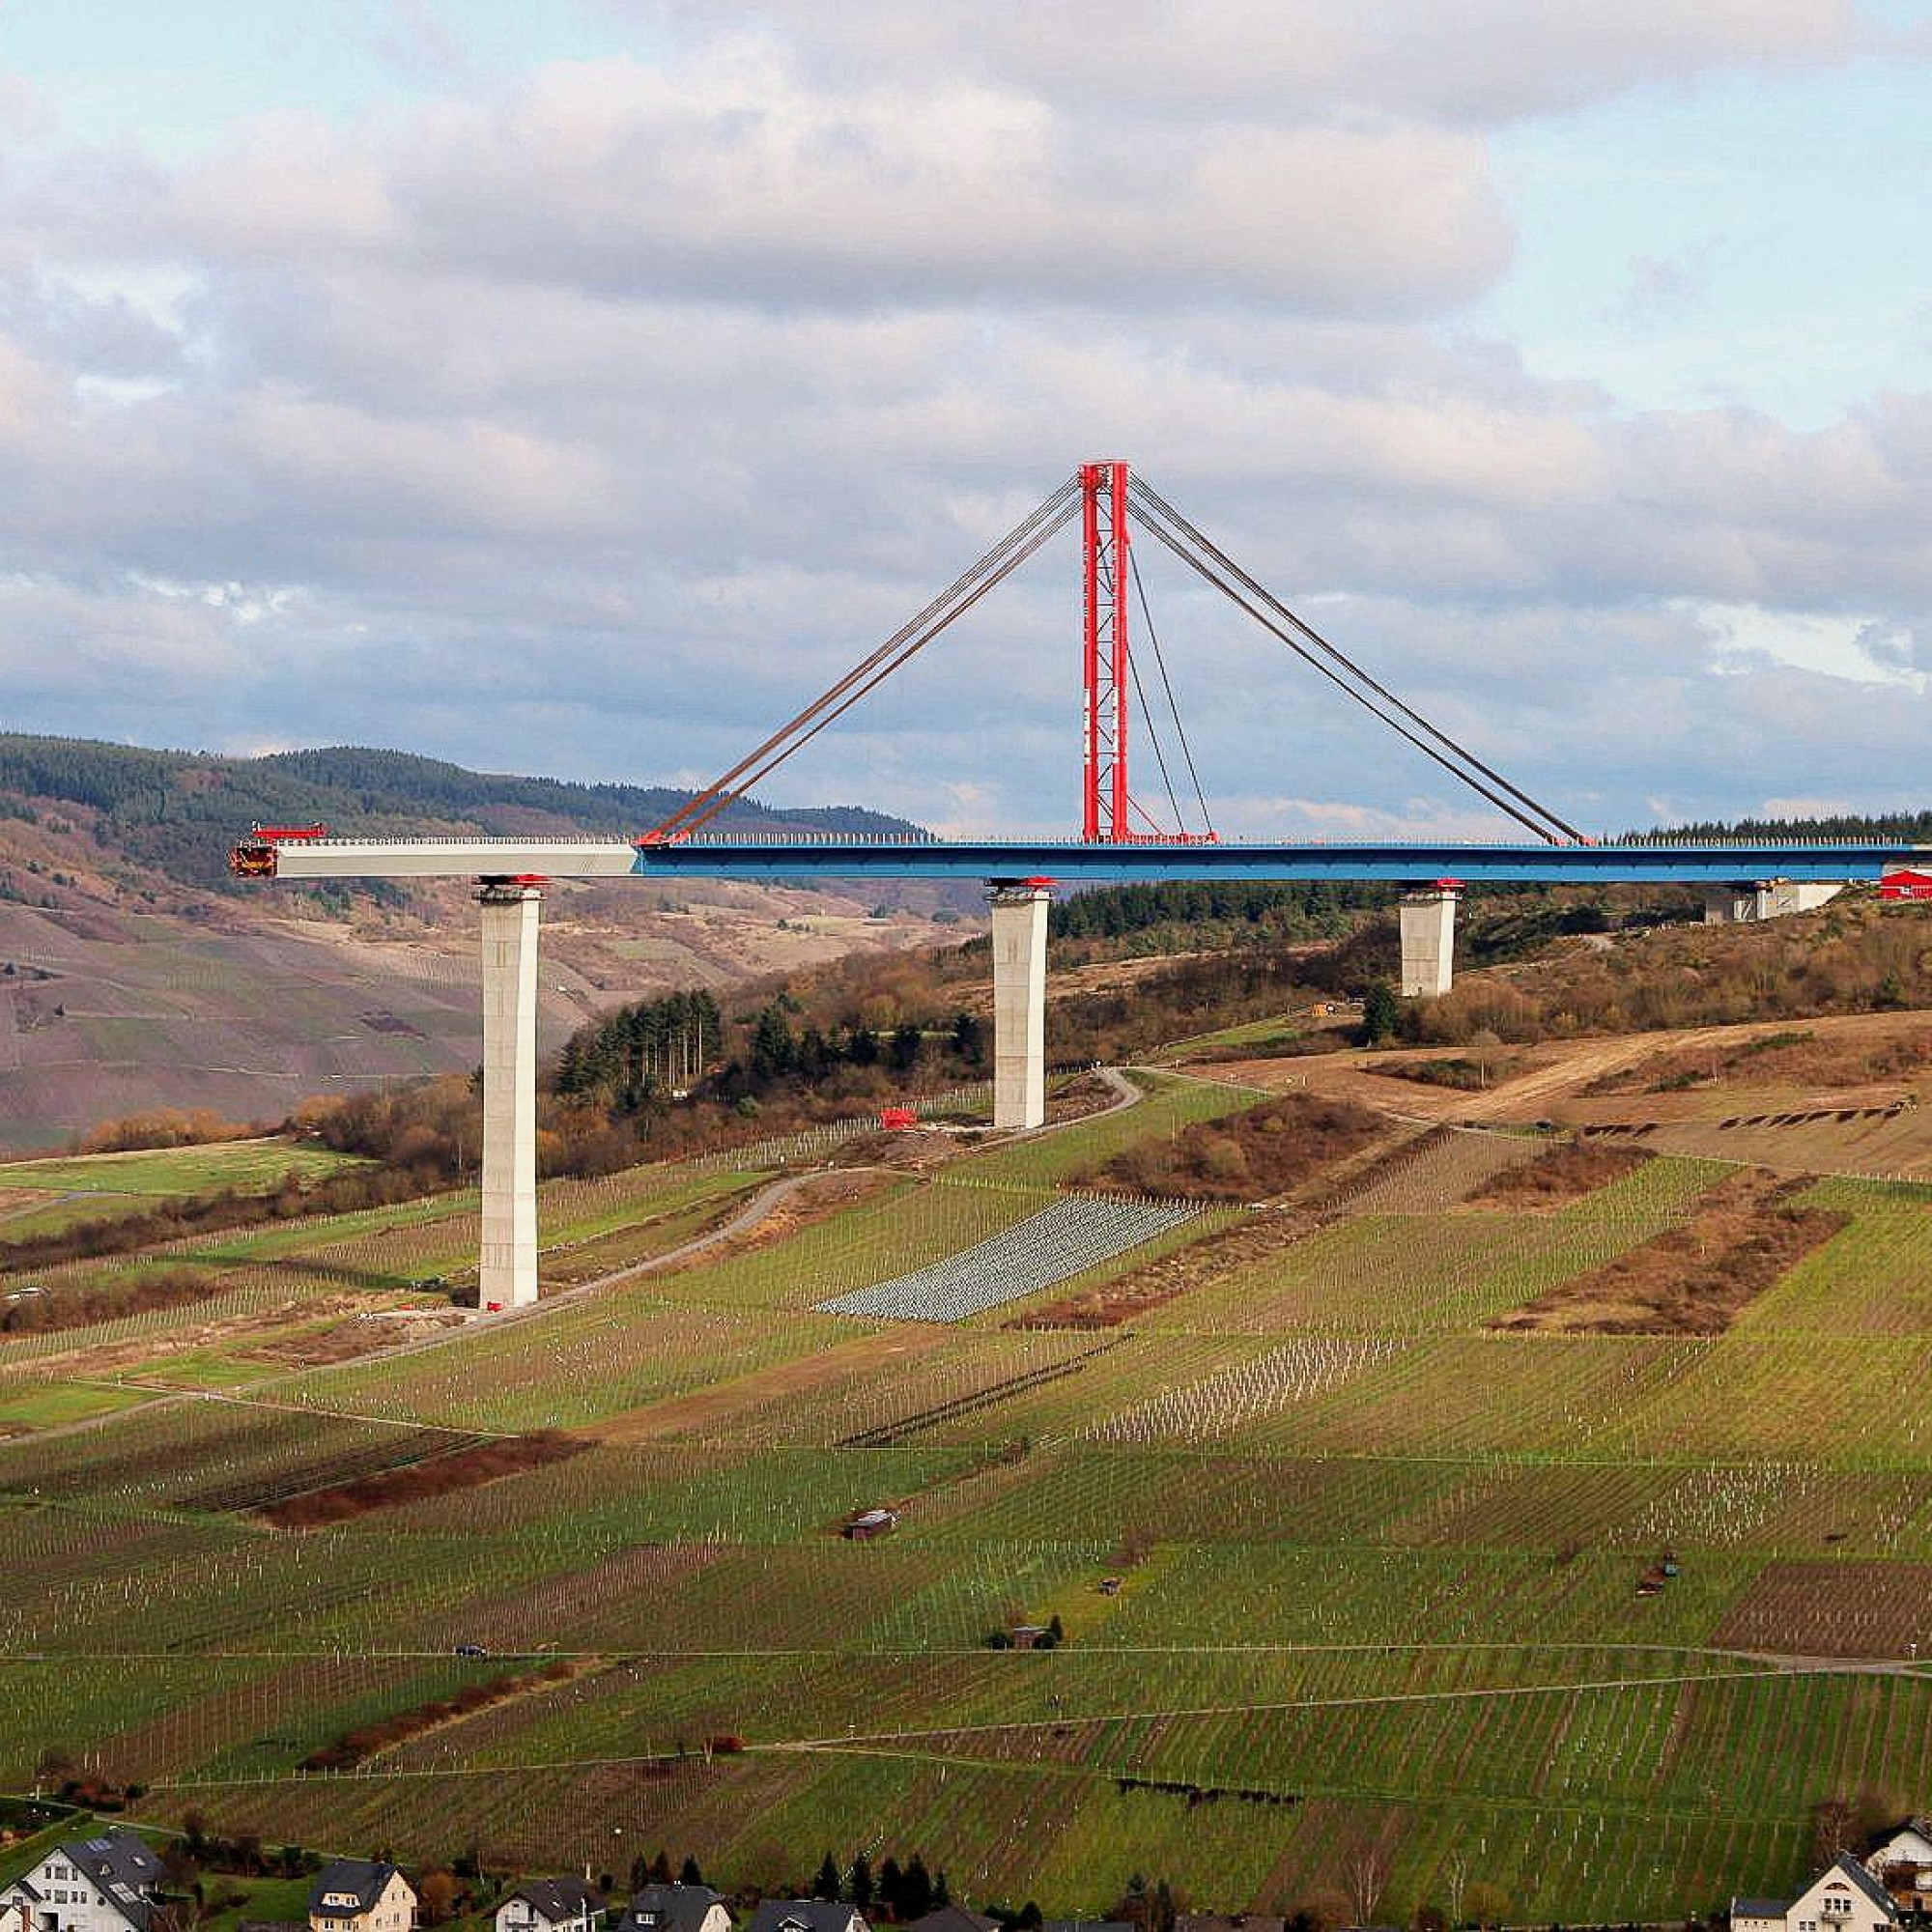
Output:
x,y
1103,493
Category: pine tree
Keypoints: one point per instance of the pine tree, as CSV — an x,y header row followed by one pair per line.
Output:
x,y
772,1049
906,1044
916,1895
826,1884
859,1882
690,1874
1382,1012
969,1039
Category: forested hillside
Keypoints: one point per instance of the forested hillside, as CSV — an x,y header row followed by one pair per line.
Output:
x,y
176,812
134,974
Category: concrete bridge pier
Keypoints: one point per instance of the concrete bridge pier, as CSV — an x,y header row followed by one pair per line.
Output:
x,y
1428,916
1020,1003
509,1250
1764,899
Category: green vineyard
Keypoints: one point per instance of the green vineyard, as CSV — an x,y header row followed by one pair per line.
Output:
x,y
1363,1597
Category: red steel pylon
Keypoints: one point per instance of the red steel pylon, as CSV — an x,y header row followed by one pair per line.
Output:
x,y
1103,493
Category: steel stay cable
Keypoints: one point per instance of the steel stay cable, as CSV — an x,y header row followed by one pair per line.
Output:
x,y
1341,684
1153,739
691,811
724,802
691,815
1137,487
1180,730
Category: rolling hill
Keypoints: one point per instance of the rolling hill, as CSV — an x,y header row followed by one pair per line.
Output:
x,y
135,973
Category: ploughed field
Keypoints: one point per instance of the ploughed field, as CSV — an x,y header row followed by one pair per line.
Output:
x,y
1423,1531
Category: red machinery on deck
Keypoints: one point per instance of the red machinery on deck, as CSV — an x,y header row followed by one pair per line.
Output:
x,y
254,858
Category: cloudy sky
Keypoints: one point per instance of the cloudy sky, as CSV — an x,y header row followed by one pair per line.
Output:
x,y
578,387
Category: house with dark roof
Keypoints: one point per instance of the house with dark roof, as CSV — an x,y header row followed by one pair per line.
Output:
x,y
676,1907
360,1896
551,1905
954,1918
108,1882
1845,1898
807,1915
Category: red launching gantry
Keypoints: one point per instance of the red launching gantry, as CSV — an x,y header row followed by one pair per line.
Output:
x,y
254,858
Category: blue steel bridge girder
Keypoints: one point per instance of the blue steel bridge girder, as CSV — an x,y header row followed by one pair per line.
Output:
x,y
1151,862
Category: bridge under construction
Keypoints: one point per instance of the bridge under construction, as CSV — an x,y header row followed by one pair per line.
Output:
x,y
1122,840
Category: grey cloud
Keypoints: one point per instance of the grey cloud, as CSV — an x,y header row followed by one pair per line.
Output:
x,y
1479,61
737,179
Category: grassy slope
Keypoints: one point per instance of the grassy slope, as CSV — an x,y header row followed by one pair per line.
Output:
x,y
1378,1564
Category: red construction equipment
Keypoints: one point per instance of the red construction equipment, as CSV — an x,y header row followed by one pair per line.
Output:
x,y
254,858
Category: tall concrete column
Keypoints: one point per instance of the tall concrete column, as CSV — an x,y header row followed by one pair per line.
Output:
x,y
509,1255
1020,1004
1428,940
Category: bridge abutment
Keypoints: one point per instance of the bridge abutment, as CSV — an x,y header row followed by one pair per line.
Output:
x,y
508,1272
1428,916
1019,1004
1766,898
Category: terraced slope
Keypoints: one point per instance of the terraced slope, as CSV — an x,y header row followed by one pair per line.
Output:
x,y
1363,1593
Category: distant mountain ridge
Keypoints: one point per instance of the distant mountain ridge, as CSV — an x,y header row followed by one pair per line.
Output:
x,y
176,809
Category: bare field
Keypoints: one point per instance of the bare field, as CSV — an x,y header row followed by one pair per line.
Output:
x,y
1696,1279
1835,1608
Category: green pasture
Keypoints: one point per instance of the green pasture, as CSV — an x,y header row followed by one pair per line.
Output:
x,y
47,1405
248,1167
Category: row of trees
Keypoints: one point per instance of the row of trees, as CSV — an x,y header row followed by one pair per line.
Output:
x,y
652,1048
900,1893
641,1057
1318,910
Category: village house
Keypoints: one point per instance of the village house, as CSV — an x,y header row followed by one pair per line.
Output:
x,y
1240,1921
807,1915
104,1883
1903,1866
954,1918
360,1896
676,1907
551,1905
1846,1898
